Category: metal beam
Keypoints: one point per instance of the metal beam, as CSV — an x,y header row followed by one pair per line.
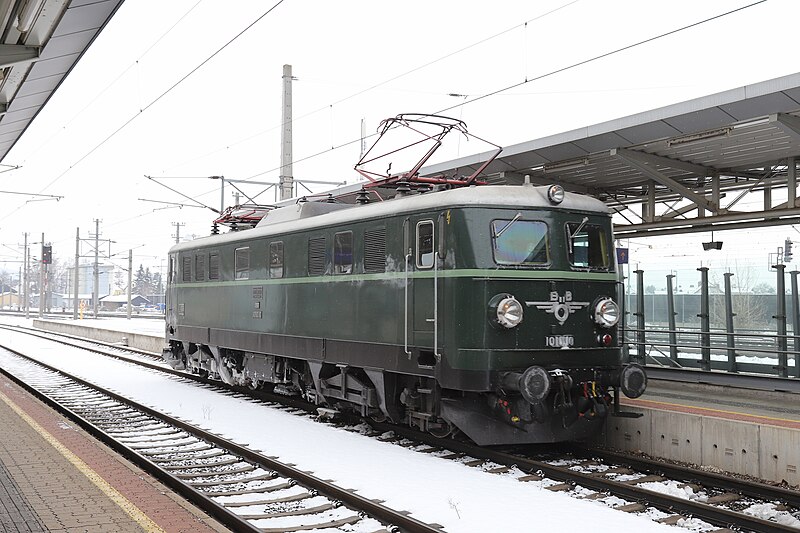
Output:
x,y
653,159
621,233
632,158
17,54
773,216
789,124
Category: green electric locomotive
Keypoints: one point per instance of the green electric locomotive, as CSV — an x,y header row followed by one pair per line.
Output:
x,y
487,309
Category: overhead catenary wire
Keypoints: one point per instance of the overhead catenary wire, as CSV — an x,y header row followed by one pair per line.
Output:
x,y
113,82
536,78
163,94
384,82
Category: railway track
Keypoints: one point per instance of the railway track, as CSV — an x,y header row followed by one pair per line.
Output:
x,y
631,484
624,482
240,487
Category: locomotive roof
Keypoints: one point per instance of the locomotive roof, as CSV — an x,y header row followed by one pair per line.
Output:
x,y
309,215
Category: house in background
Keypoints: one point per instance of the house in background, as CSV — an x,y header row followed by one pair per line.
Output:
x,y
115,301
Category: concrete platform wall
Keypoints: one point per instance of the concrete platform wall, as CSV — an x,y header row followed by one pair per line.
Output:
x,y
767,452
134,340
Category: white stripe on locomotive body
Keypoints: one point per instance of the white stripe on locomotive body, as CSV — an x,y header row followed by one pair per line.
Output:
x,y
286,219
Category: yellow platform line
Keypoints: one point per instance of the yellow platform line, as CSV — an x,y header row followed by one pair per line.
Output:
x,y
126,505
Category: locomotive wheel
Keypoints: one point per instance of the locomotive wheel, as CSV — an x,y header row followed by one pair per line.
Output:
x,y
376,415
441,429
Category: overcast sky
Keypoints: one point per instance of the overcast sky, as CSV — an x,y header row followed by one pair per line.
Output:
x,y
128,109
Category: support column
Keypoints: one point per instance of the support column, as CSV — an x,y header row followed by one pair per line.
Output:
x,y
640,333
729,314
791,183
673,333
783,363
705,321
796,323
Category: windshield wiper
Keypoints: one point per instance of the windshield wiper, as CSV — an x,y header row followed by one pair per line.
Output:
x,y
572,234
503,230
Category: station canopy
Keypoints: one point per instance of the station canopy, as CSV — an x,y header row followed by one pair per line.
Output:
x,y
723,161
42,40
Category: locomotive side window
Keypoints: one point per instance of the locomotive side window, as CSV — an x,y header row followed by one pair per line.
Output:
x,y
375,250
425,244
276,259
241,260
588,245
213,265
316,256
343,252
186,270
171,271
520,242
199,267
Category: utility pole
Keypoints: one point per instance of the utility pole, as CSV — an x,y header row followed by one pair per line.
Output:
x,y
96,283
41,280
130,280
77,271
285,183
177,233
25,267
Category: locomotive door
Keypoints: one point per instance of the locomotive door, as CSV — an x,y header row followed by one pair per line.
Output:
x,y
422,261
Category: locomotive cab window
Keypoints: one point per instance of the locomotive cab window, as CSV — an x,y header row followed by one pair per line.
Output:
x,y
343,252
276,259
520,242
425,244
588,245
241,261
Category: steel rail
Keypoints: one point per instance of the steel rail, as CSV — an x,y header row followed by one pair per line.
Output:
x,y
351,499
761,491
715,515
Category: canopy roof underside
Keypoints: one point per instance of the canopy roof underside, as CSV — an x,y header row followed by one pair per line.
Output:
x,y
42,40
687,167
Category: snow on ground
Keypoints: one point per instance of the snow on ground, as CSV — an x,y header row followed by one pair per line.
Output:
x,y
461,498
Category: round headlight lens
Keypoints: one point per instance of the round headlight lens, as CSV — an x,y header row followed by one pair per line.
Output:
x,y
606,312
555,193
509,312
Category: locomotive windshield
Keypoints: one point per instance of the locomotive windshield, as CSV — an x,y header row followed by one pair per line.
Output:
x,y
520,242
588,245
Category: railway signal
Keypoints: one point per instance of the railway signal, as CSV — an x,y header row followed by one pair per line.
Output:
x,y
787,251
47,254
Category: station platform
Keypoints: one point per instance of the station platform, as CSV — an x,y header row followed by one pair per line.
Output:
x,y
56,477
727,429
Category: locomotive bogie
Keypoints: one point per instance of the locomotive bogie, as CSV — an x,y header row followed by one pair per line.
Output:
x,y
417,311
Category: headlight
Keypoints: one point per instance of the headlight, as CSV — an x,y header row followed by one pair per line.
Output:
x,y
509,312
606,312
555,193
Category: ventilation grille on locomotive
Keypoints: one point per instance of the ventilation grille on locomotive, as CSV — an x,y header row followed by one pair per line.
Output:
x,y
316,256
375,250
